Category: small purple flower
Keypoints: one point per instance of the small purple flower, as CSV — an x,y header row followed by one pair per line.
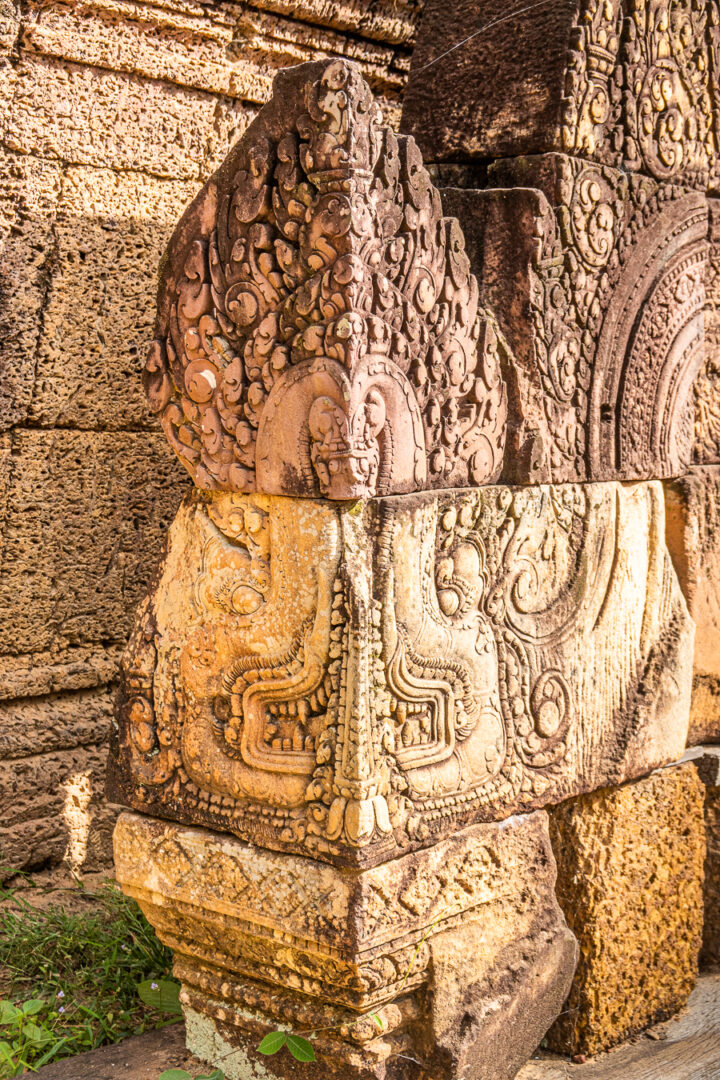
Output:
x,y
61,1009
60,994
124,947
154,986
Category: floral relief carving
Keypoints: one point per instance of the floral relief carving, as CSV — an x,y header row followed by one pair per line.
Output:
x,y
319,331
619,320
395,669
641,87
706,449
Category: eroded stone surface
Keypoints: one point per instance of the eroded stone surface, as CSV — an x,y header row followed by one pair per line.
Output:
x,y
234,914
707,384
630,881
597,279
693,537
707,763
318,327
347,679
81,534
52,763
110,232
627,83
710,955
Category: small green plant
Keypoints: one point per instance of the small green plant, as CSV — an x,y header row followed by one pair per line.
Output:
x,y
27,1039
82,968
300,1048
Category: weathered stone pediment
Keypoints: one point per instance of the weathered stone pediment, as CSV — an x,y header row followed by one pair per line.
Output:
x,y
318,329
598,279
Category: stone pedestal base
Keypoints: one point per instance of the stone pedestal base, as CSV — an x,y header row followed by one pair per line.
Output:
x,y
443,963
630,881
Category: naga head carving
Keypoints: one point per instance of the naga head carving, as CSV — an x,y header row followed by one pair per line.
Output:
x,y
318,328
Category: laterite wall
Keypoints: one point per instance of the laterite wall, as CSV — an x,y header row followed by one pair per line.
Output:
x,y
112,114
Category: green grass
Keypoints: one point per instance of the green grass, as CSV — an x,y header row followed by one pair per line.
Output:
x,y
84,968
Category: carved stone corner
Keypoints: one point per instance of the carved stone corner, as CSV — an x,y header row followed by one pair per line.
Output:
x,y
630,85
599,281
374,963
351,681
318,330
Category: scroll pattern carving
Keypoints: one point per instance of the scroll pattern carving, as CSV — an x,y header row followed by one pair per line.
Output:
x,y
641,87
345,681
617,298
263,895
319,330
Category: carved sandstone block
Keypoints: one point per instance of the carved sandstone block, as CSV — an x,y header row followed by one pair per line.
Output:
x,y
90,116
627,83
597,280
630,881
318,329
707,383
692,507
262,939
351,680
29,193
109,235
53,798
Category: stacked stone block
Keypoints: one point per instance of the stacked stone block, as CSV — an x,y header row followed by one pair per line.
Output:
x,y
580,144
418,617
113,115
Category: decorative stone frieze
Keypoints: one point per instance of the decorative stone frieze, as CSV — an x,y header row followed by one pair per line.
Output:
x,y
436,964
628,83
707,383
351,680
598,280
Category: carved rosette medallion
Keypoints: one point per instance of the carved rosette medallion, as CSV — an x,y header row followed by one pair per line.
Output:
x,y
318,329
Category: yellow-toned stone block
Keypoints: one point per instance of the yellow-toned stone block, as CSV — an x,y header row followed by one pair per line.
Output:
x,y
440,964
707,761
630,881
692,515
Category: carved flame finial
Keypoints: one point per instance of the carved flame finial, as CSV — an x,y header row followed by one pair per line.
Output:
x,y
318,326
